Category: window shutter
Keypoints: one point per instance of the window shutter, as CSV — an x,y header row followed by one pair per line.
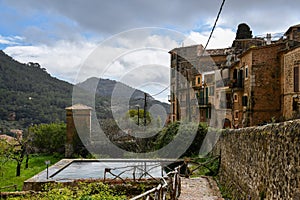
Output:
x,y
235,72
240,78
245,100
201,98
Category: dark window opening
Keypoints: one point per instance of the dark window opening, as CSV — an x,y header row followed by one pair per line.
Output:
x,y
245,100
296,79
295,104
199,81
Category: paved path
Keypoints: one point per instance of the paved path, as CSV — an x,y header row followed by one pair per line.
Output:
x,y
199,188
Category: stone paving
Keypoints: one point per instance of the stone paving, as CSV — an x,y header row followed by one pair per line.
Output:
x,y
199,188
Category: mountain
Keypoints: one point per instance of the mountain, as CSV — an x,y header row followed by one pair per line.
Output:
x,y
30,95
106,87
123,97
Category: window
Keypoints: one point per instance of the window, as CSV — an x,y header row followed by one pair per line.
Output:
x,y
236,115
228,100
198,80
295,104
245,100
296,79
201,98
240,81
246,72
236,98
235,74
238,76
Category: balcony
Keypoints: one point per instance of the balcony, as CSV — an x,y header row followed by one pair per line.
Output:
x,y
237,83
203,102
197,87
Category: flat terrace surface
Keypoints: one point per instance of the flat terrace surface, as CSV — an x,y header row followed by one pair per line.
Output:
x,y
72,169
199,188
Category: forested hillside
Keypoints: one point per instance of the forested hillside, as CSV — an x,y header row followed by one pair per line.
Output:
x,y
29,94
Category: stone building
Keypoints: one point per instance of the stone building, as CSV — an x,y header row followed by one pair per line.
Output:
x,y
291,83
256,86
78,121
193,82
253,82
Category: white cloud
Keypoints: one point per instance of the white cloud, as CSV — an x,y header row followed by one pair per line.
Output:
x,y
221,38
61,59
139,59
10,40
131,52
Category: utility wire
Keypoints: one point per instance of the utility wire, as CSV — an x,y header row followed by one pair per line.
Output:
x,y
161,91
218,16
212,30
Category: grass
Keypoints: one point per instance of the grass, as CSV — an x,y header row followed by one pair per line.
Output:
x,y
36,164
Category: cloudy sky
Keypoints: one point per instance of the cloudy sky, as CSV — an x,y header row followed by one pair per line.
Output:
x,y
76,39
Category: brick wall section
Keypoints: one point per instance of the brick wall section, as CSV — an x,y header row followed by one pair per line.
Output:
x,y
262,161
291,59
262,86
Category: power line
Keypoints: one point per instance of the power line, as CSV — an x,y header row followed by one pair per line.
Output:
x,y
161,91
219,13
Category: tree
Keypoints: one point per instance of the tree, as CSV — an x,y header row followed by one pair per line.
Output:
x,y
137,116
16,150
243,32
49,138
158,122
170,132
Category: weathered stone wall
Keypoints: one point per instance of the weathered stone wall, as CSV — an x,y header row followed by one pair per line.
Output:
x,y
261,162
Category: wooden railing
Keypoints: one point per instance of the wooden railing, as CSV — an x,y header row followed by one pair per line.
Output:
x,y
170,186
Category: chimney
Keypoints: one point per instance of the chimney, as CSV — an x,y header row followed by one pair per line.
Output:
x,y
269,37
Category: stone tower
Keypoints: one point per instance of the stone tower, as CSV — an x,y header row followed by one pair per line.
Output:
x,y
78,121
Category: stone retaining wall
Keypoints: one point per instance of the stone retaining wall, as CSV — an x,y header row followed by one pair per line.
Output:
x,y
261,162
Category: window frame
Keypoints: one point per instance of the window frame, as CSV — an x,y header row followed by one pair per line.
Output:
x,y
236,115
235,98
